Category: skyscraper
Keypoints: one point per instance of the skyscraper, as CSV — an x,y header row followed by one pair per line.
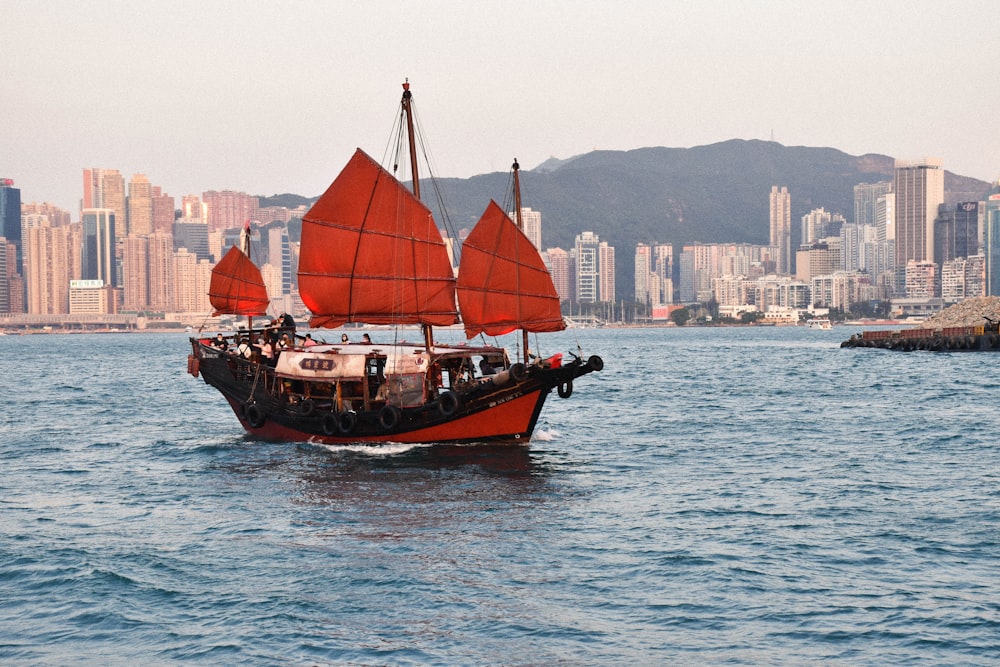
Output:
x,y
781,227
140,206
587,268
866,196
643,273
105,188
532,226
919,190
10,219
99,232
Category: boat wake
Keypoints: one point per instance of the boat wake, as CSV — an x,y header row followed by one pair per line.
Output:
x,y
386,449
546,435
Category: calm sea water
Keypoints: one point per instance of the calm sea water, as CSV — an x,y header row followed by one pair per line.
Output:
x,y
738,496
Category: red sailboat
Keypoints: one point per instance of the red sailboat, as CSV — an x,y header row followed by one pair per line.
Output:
x,y
371,253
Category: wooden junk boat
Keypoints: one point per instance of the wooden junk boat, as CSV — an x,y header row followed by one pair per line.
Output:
x,y
371,253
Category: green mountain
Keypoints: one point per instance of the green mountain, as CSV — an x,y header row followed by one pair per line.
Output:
x,y
712,194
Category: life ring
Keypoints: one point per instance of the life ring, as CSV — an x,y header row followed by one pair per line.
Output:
x,y
448,403
307,407
346,421
518,372
595,363
330,423
389,417
254,415
565,389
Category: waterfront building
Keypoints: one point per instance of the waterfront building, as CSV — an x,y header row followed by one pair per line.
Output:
x,y
47,251
558,262
962,278
663,268
99,234
919,190
91,297
587,268
643,273
781,227
10,219
606,265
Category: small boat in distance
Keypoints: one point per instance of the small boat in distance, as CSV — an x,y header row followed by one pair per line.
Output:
x,y
372,254
819,323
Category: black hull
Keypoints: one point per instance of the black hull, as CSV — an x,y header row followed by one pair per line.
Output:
x,y
487,411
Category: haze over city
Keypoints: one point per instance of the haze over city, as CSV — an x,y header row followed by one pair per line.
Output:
x,y
273,97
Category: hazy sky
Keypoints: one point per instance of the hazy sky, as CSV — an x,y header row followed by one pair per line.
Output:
x,y
273,97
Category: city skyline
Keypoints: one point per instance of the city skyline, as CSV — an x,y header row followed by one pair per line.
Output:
x,y
212,99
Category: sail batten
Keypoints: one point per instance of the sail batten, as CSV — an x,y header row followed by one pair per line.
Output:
x,y
372,253
503,284
237,287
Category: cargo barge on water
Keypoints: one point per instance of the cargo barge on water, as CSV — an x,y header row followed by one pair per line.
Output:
x,y
982,338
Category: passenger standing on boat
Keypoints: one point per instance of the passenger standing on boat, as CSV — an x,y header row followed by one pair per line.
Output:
x,y
243,348
266,351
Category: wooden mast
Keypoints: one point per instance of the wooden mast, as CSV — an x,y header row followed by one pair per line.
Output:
x,y
520,225
415,176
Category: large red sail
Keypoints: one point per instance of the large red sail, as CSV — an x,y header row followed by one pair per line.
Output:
x,y
371,252
503,284
237,287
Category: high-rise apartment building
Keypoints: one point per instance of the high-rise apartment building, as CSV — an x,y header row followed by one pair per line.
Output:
x,y
781,227
161,272
588,273
135,270
163,212
991,240
558,262
866,196
228,209
919,190
47,252
663,269
643,273
532,221
140,206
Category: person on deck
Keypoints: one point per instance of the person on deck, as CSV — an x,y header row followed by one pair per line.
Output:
x,y
220,343
344,339
308,341
366,339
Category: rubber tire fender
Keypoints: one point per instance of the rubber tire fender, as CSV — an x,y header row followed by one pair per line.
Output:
x,y
307,407
448,403
389,418
595,363
565,389
518,372
254,415
330,422
346,421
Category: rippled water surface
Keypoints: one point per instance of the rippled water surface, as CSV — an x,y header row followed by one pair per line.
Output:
x,y
739,496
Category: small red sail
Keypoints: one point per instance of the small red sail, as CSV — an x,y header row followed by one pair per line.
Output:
x,y
237,287
371,252
503,284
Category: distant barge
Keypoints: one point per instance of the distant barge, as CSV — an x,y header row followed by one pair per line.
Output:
x,y
984,338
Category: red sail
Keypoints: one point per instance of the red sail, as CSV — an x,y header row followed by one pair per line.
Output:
x,y
371,252
237,287
503,284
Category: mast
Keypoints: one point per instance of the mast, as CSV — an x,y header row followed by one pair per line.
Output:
x,y
415,176
520,225
246,251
